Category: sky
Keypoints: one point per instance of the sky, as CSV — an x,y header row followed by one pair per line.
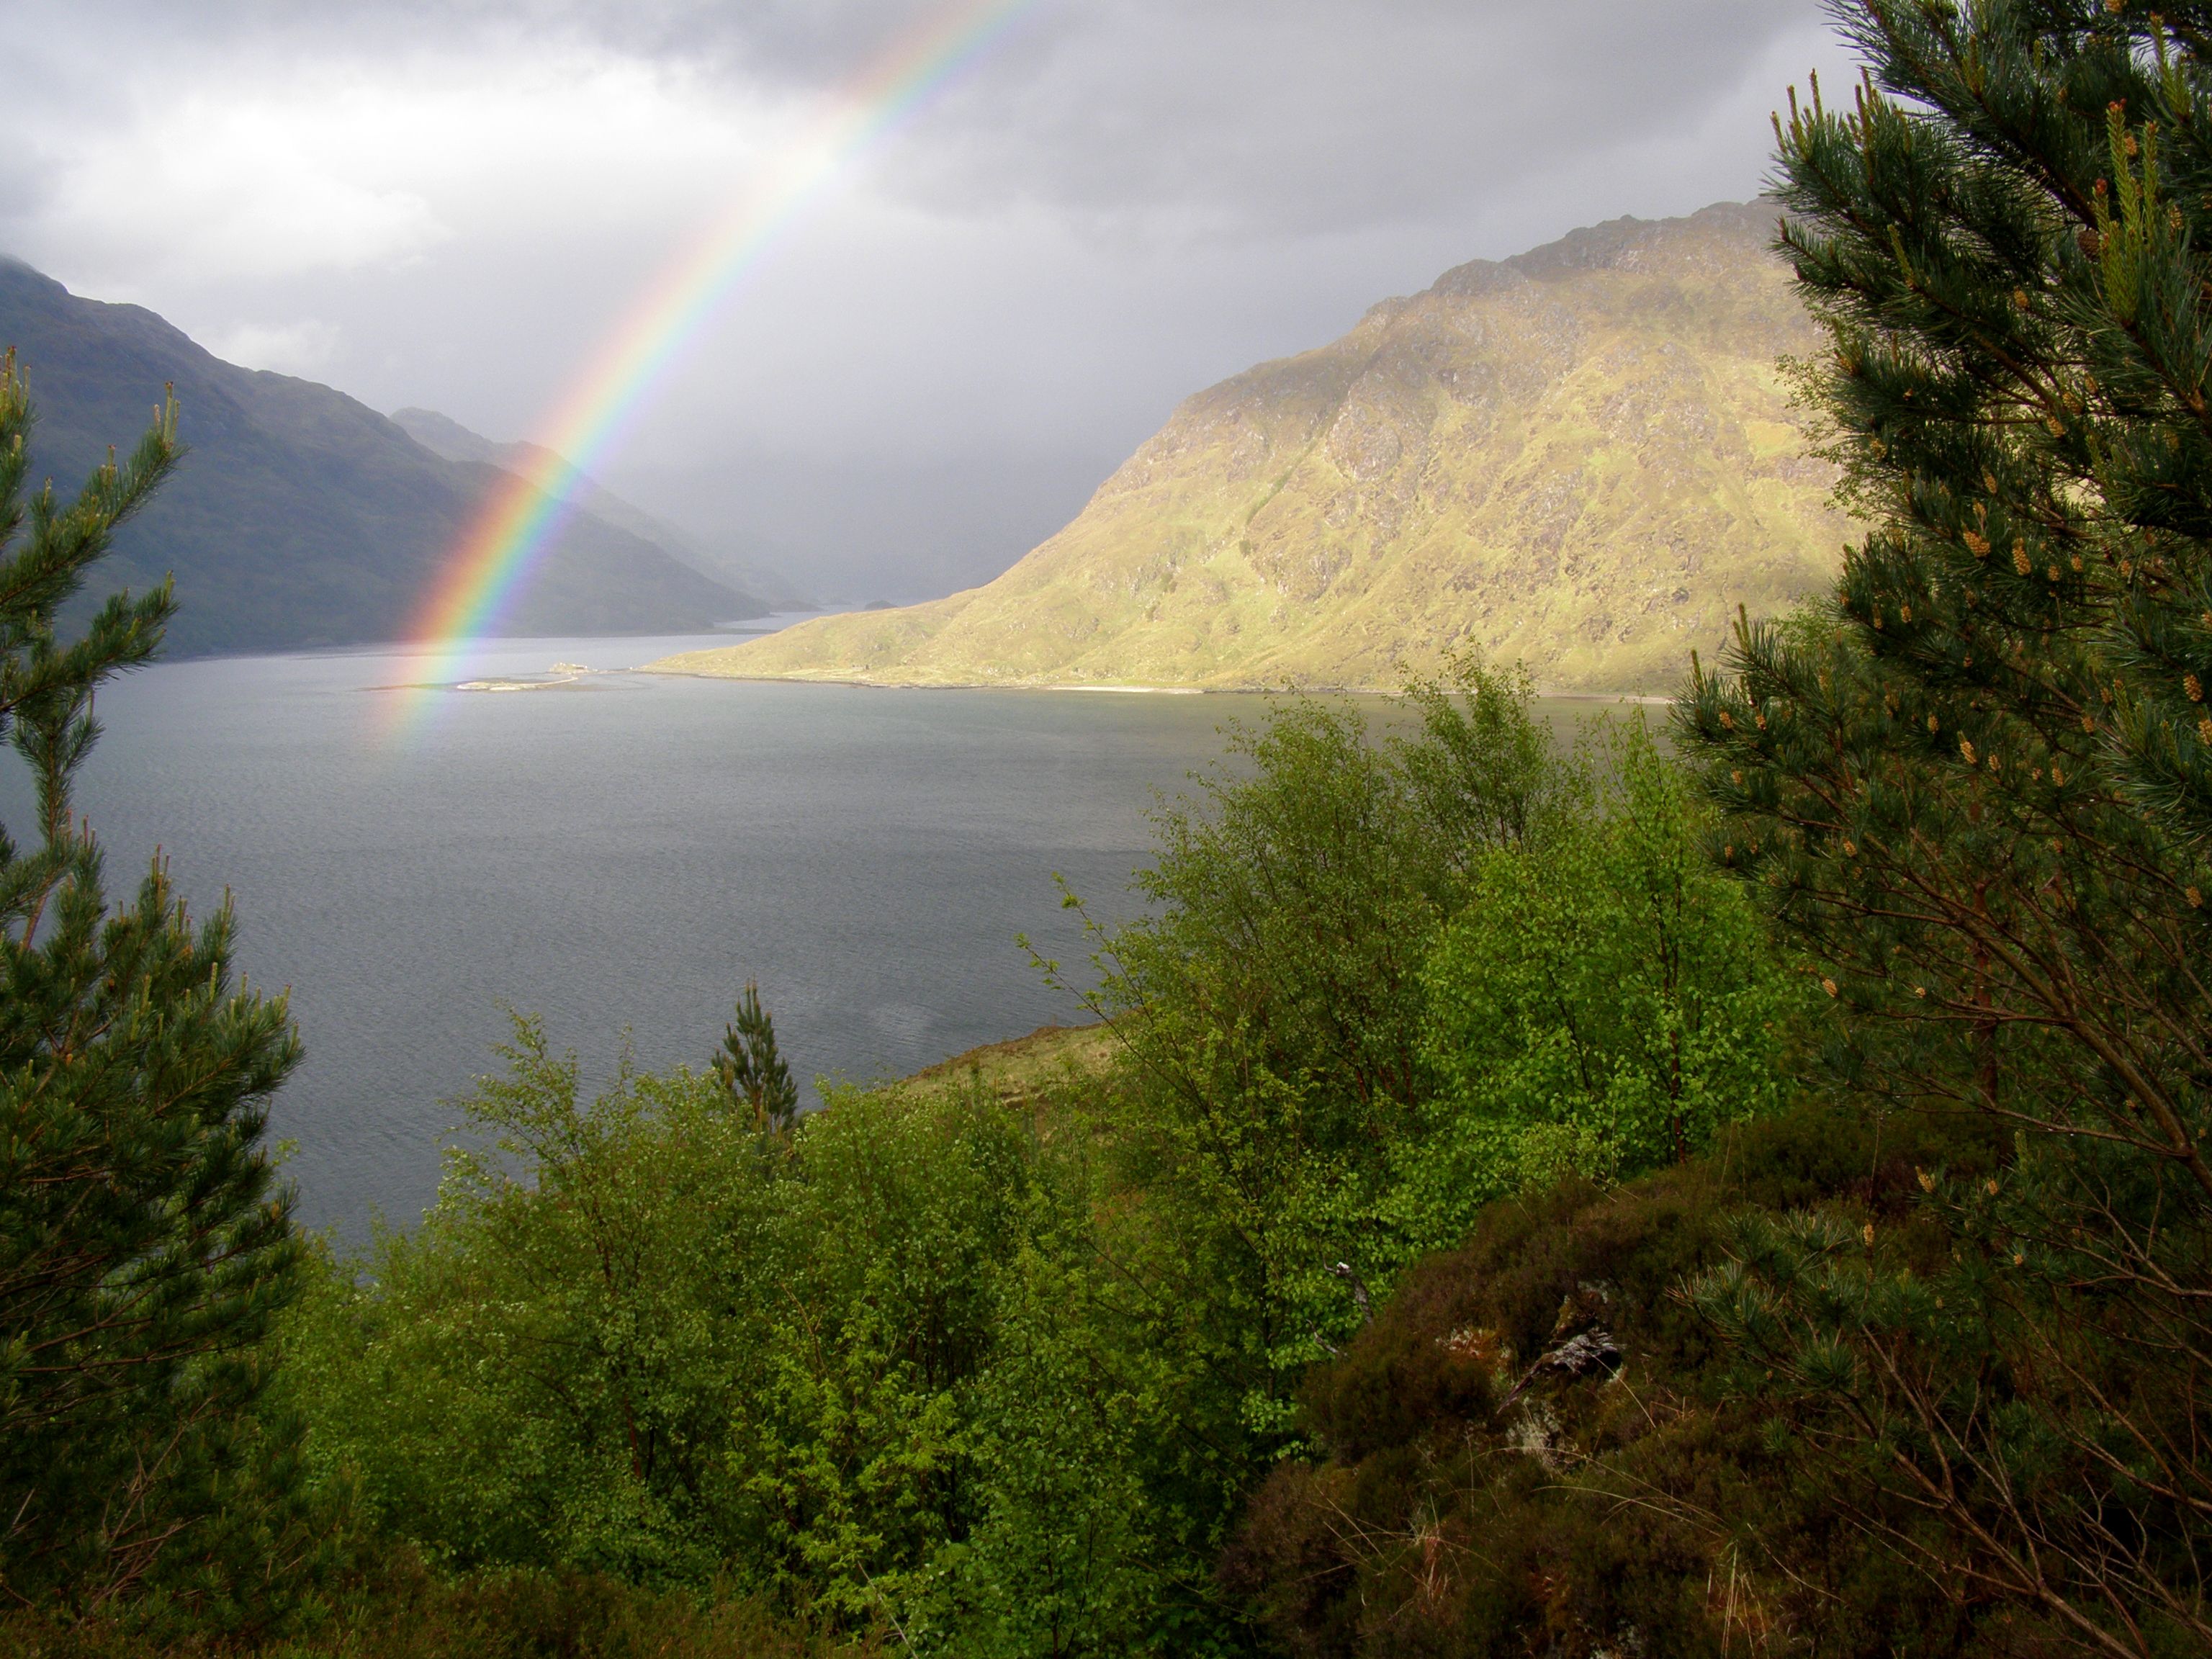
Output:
x,y
450,205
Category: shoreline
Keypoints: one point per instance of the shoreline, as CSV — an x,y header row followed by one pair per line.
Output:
x,y
1643,699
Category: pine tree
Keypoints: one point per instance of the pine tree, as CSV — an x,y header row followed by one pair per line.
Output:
x,y
1976,795
144,1244
751,1069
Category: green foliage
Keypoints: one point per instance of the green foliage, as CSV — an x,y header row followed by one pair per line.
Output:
x,y
1062,1558
1388,981
536,1377
1602,1004
751,1069
1979,800
144,1244
890,1246
860,1368
994,1374
1483,776
1273,1005
1003,1369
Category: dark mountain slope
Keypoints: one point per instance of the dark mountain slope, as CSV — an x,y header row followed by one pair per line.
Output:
x,y
301,517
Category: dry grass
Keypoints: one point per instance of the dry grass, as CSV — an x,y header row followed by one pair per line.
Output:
x,y
1022,1072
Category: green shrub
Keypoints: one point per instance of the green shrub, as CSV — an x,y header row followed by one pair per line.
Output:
x,y
538,1376
1598,1006
1274,1005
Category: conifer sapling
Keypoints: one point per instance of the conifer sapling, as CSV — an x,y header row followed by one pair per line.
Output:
x,y
751,1069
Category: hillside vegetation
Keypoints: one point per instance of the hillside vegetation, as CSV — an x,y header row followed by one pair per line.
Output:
x,y
1583,458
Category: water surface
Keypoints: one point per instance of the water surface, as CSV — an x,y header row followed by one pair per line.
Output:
x,y
618,854
622,853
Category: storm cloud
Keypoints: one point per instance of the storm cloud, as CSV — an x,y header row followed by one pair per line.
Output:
x,y
450,204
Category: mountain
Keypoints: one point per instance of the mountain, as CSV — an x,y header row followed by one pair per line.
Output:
x,y
300,516
1583,458
441,434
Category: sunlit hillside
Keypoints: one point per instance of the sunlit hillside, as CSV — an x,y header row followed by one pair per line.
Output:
x,y
1584,458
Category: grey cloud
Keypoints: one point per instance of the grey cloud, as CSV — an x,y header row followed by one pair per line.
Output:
x,y
1307,115
799,41
1221,115
23,182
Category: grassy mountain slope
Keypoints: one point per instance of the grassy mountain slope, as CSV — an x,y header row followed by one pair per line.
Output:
x,y
301,516
1583,458
441,434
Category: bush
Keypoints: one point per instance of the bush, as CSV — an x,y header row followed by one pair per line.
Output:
x,y
1274,1005
1601,1005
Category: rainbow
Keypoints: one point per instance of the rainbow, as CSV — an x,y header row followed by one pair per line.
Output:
x,y
522,516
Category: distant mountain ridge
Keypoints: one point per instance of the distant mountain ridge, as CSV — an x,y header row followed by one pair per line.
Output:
x,y
441,434
1583,458
301,517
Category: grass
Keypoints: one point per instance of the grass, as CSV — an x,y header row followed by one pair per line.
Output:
x,y
1022,1071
